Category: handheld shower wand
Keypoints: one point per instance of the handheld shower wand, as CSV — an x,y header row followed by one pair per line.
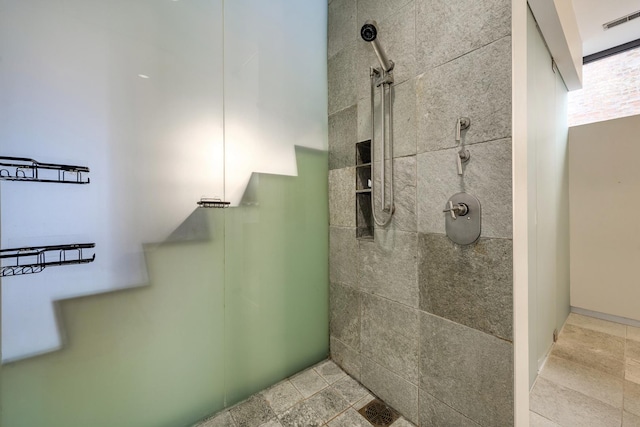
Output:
x,y
383,78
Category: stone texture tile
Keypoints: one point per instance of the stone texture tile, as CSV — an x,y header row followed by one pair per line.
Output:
x,y
344,314
404,118
469,26
341,77
330,372
633,333
478,86
599,325
632,350
364,401
342,138
272,423
342,26
471,285
388,266
487,175
396,392
536,420
342,199
390,335
349,418
588,381
346,357
435,413
632,370
630,420
343,256
327,404
308,383
402,422
552,402
222,419
397,35
468,370
364,118
350,389
378,10
593,349
632,397
282,396
404,187
252,412
301,415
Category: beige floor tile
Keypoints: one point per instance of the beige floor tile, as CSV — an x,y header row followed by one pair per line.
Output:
x,y
630,420
633,333
632,397
599,325
632,349
536,420
591,348
632,370
571,408
591,382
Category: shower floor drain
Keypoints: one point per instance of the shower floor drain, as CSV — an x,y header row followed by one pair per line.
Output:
x,y
379,414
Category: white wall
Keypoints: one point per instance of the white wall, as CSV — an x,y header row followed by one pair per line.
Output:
x,y
605,234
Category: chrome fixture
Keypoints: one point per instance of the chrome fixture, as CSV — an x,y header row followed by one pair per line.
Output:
x,y
463,219
381,77
369,33
463,155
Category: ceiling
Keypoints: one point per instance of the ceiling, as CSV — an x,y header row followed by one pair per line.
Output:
x,y
591,14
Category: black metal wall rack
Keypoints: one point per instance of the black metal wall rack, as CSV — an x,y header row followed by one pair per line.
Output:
x,y
212,203
34,259
26,169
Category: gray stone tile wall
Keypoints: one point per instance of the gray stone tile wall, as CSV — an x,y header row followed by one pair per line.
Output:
x,y
390,333
453,282
487,175
468,370
446,29
476,85
391,388
423,323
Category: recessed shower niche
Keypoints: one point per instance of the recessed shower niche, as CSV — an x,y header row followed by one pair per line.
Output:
x,y
364,194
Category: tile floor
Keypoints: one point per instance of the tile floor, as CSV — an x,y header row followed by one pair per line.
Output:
x,y
591,378
323,395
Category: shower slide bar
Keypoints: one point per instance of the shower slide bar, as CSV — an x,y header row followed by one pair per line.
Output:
x,y
381,77
26,169
34,259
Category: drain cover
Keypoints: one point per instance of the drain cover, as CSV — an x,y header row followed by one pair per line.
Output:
x,y
379,414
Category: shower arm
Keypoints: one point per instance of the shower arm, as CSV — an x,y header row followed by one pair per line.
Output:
x,y
383,79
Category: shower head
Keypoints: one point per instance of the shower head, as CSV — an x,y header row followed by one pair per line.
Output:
x,y
369,33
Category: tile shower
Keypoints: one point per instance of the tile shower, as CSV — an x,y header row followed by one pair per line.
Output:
x,y
423,323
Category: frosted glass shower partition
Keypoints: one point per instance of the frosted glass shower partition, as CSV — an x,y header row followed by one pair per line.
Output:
x,y
276,172
185,310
